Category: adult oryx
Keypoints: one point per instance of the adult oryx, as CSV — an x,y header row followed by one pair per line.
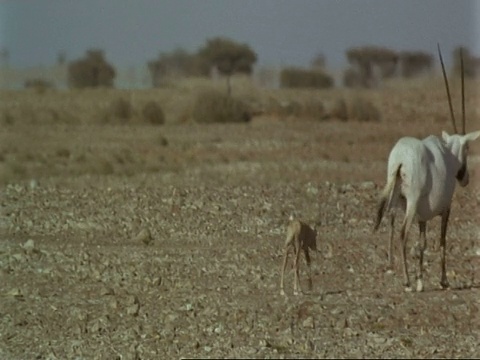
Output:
x,y
421,179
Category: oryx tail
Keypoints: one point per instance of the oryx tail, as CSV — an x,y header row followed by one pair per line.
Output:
x,y
389,195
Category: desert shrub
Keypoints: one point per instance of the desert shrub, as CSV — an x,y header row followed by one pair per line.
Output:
x,y
338,110
211,106
91,71
119,111
302,78
153,113
121,108
362,110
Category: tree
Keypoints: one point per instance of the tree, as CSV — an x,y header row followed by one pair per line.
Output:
x,y
366,60
91,71
228,57
413,63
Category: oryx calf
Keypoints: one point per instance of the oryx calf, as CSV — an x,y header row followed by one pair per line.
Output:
x,y
421,179
300,237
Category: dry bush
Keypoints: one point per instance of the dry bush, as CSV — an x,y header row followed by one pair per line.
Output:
x,y
153,113
211,106
362,110
119,111
338,110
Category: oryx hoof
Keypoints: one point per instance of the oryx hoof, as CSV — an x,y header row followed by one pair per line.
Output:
x,y
282,293
297,292
389,272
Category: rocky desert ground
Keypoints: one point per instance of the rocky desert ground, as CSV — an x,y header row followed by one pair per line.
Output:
x,y
136,241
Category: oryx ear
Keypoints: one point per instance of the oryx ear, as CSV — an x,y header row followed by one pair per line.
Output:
x,y
445,136
472,136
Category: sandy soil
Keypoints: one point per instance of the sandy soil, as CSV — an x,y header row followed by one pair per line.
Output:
x,y
142,242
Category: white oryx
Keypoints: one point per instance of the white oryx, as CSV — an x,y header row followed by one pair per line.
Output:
x,y
421,179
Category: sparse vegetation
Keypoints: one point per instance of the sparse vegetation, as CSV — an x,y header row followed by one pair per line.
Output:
x,y
75,196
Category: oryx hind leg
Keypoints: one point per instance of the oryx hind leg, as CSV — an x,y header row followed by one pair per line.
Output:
x,y
421,247
407,223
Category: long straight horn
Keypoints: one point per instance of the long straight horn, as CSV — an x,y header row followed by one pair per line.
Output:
x,y
448,89
463,92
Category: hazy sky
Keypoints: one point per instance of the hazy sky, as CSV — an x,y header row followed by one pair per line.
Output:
x,y
282,32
